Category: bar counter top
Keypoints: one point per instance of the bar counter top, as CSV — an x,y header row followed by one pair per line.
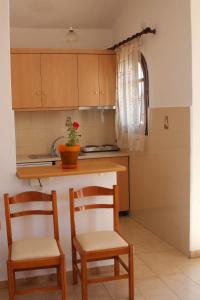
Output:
x,y
83,167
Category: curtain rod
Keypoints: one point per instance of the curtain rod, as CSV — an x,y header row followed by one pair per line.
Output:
x,y
134,36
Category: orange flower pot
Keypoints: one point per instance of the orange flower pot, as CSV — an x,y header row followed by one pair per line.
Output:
x,y
69,156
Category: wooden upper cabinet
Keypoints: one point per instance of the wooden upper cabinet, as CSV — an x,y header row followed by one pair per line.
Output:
x,y
88,80
96,80
107,79
59,80
43,79
26,80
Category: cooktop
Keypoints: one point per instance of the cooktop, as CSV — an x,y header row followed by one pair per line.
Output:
x,y
100,148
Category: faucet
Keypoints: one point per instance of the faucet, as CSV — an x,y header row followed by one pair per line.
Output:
x,y
53,146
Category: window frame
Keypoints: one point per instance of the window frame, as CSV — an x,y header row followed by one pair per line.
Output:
x,y
146,90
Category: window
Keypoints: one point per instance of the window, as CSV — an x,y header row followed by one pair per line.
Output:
x,y
132,96
143,91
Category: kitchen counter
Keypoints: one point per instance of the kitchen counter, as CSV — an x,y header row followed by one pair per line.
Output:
x,y
84,167
25,159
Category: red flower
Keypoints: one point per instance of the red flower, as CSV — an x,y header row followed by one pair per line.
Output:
x,y
76,125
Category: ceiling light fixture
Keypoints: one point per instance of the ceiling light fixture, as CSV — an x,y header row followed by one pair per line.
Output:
x,y
71,35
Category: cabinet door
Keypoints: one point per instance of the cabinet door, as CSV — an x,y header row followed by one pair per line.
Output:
x,y
26,80
122,181
107,79
88,81
59,80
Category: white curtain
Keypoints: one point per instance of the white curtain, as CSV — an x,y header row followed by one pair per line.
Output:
x,y
130,109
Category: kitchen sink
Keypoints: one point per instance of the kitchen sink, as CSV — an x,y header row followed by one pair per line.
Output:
x,y
42,156
48,156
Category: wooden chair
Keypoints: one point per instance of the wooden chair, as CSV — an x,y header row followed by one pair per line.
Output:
x,y
34,253
99,245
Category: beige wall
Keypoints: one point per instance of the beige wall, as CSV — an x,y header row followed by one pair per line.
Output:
x,y
56,38
160,183
160,177
195,130
35,131
160,199
168,53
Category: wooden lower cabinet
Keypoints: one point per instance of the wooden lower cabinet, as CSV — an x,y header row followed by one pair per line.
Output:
x,y
122,181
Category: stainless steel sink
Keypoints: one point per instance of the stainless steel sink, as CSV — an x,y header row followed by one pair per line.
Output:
x,y
47,156
42,156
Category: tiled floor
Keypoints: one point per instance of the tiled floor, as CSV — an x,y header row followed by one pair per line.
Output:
x,y
161,272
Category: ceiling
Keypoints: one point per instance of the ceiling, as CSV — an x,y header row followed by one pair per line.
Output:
x,y
65,13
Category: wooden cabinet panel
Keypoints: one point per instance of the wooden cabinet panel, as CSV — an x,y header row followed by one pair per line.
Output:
x,y
88,80
122,181
59,80
107,79
26,80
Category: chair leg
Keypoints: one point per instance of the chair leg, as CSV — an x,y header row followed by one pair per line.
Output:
x,y
11,282
59,277
131,273
84,284
63,278
74,259
116,265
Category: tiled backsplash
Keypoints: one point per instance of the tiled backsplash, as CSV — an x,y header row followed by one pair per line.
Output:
x,y
35,131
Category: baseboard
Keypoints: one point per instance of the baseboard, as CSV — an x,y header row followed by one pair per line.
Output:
x,y
52,277
195,254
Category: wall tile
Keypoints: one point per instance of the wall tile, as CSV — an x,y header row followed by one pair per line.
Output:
x,y
35,131
160,177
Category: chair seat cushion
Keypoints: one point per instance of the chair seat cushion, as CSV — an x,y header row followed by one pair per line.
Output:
x,y
34,248
99,240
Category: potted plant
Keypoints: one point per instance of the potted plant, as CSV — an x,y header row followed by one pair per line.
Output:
x,y
69,151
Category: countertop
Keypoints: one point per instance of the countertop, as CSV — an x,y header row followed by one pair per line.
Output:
x,y
26,159
84,167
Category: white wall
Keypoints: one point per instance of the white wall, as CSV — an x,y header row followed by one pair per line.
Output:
x,y
8,180
7,149
168,53
195,125
56,38
10,183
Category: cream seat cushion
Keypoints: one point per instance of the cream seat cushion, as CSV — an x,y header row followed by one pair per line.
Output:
x,y
34,248
100,240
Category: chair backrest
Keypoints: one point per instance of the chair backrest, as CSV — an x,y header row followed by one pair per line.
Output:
x,y
90,191
30,196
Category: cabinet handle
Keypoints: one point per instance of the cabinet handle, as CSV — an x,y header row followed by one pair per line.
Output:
x,y
96,92
103,93
44,93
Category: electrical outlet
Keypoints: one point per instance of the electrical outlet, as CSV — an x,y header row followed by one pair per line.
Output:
x,y
68,120
166,122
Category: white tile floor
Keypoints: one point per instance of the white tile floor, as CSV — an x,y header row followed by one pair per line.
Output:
x,y
161,272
